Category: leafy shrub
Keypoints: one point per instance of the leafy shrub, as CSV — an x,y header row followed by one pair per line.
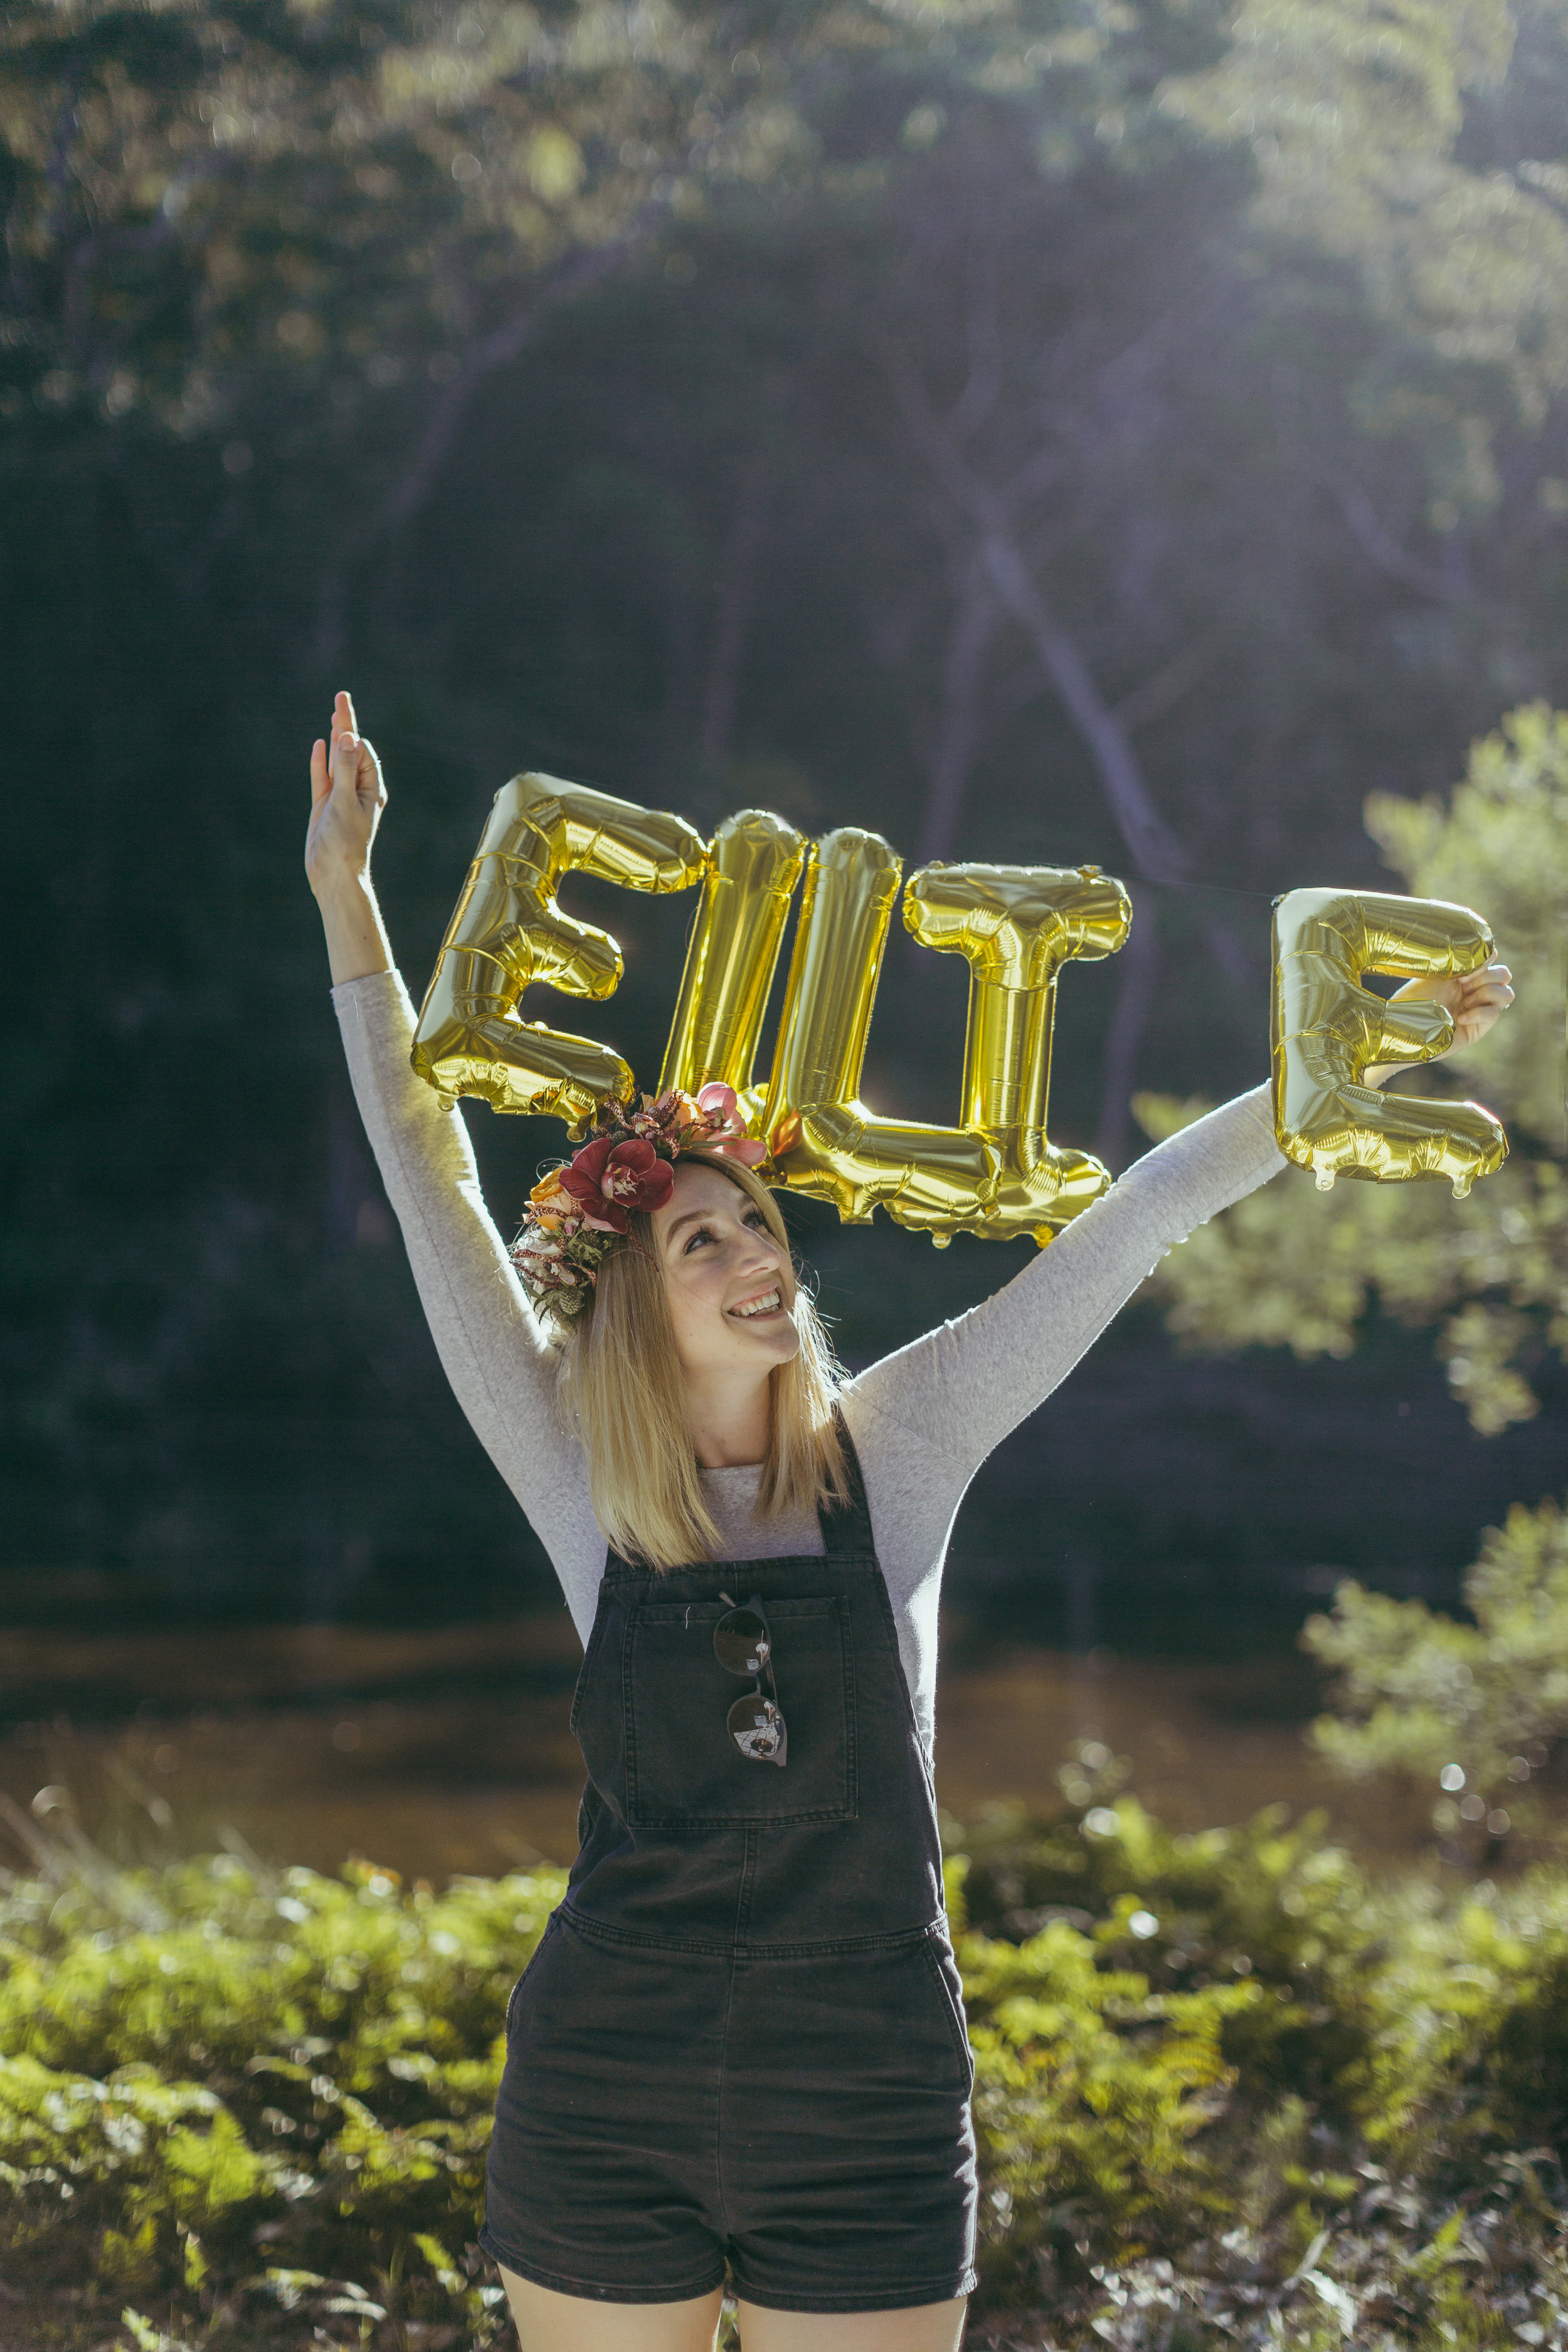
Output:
x,y
1377,2156
262,2091
1091,2092
1474,1716
1228,2092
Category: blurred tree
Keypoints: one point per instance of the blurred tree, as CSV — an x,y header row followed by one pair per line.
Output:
x,y
575,382
266,221
1356,117
1058,437
1289,1267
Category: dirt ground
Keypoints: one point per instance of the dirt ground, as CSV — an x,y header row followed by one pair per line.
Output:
x,y
445,1751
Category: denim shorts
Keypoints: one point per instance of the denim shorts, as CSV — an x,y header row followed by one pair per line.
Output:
x,y
790,2121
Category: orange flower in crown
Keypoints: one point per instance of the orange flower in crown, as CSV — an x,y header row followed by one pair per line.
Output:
x,y
578,1211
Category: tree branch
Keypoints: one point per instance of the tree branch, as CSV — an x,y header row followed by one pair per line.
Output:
x,y
952,754
1380,546
983,387
737,595
1158,855
1167,686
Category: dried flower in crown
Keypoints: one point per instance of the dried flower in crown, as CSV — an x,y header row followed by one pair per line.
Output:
x,y
576,1214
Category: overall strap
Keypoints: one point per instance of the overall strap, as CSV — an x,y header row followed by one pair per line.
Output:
x,y
847,1527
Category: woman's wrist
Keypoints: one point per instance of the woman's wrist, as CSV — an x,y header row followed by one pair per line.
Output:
x,y
357,944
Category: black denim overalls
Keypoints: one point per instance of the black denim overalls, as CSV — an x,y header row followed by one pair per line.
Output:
x,y
739,2050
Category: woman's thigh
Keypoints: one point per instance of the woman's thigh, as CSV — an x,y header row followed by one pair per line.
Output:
x,y
548,2321
931,2327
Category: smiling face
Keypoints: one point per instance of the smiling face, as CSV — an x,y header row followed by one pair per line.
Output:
x,y
728,1281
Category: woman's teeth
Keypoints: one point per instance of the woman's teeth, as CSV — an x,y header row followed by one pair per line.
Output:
x,y
758,1306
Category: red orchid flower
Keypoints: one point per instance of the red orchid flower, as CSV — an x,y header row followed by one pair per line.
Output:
x,y
607,1179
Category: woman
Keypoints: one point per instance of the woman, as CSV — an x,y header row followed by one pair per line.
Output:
x,y
738,2051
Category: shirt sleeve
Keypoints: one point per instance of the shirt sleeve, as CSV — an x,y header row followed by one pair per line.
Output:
x,y
963,1387
492,1346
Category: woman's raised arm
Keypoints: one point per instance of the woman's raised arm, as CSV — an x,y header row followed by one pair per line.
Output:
x,y
489,1338
963,1387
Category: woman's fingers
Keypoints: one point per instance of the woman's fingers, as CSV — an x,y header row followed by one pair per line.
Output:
x,y
321,776
343,720
1489,988
1466,992
1480,1000
354,767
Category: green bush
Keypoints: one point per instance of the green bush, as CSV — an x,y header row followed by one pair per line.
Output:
x,y
1228,2092
1475,1717
1368,2145
255,2094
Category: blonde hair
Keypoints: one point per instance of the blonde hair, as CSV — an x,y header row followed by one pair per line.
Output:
x,y
622,1383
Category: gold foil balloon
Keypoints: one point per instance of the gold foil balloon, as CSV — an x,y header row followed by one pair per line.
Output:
x,y
1018,925
823,1139
508,931
996,1175
1328,1030
753,867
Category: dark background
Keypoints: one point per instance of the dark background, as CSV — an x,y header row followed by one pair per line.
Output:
x,y
689,497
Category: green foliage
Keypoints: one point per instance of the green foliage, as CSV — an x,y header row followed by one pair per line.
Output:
x,y
217,207
1288,1266
1091,2091
1382,2072
1355,117
208,202
1500,843
1228,2091
1485,1706
246,2093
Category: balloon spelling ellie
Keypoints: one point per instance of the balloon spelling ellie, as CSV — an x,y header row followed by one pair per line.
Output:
x,y
996,1173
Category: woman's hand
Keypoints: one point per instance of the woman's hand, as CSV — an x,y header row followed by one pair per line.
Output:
x,y
347,796
1477,1001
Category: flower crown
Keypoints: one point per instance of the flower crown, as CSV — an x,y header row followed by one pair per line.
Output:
x,y
577,1212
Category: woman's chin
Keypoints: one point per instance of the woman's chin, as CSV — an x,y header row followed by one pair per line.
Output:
x,y
777,1336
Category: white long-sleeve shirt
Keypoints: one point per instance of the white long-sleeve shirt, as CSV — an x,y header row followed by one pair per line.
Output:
x,y
923,1419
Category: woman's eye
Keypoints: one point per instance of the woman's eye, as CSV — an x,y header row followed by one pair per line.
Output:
x,y
702,1234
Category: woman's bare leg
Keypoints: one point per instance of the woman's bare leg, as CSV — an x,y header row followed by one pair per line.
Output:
x,y
931,2327
548,2321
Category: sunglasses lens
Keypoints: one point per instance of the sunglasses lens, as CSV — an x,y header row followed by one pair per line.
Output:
x,y
757,1728
741,1642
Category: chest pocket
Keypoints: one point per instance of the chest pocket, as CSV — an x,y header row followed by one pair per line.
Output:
x,y
684,1771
